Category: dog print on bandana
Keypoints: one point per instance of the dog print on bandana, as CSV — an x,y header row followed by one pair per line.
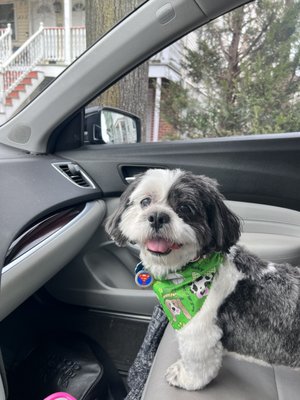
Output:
x,y
183,294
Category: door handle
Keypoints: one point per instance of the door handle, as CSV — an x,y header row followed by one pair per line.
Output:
x,y
129,179
128,172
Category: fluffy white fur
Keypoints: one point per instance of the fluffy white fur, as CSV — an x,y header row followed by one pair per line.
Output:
x,y
156,184
201,359
256,292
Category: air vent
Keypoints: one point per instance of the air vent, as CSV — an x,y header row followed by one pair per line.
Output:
x,y
75,174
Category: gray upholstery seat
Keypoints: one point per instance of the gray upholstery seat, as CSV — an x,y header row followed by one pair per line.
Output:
x,y
237,380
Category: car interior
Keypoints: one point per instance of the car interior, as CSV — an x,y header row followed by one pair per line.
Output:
x,y
62,275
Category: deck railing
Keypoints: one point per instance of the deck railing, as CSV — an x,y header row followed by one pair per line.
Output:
x,y
54,48
54,43
78,41
20,63
5,43
47,45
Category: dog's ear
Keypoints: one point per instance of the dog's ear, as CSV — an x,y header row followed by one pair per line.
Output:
x,y
224,224
113,221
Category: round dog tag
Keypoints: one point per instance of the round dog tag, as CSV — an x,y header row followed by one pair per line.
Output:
x,y
143,279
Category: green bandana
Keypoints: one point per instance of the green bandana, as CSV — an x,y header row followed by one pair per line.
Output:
x,y
182,294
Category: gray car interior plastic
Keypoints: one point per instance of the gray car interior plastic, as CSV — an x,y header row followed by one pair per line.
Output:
x,y
27,273
102,275
260,169
31,189
238,379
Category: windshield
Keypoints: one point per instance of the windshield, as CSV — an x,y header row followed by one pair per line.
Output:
x,y
40,38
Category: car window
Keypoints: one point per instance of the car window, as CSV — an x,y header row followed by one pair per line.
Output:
x,y
237,75
40,38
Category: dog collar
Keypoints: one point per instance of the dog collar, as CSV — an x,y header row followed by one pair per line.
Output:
x,y
183,293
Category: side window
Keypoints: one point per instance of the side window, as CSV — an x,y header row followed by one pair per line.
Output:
x,y
237,75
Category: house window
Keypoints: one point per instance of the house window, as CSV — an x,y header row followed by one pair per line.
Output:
x,y
7,16
78,13
78,6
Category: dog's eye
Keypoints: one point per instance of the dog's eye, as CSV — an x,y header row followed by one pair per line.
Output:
x,y
146,202
185,209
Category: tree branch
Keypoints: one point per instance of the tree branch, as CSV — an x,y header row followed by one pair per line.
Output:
x,y
255,41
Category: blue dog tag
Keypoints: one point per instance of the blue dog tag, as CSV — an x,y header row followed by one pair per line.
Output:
x,y
142,277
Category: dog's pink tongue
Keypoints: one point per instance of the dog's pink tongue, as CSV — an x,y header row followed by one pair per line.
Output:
x,y
159,245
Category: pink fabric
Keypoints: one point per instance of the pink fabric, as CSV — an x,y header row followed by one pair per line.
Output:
x,y
60,396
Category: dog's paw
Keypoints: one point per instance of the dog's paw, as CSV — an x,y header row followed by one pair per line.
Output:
x,y
176,375
173,374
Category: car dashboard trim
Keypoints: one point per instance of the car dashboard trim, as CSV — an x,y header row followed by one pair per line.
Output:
x,y
27,273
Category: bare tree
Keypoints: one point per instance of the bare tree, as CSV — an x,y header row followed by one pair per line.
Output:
x,y
130,93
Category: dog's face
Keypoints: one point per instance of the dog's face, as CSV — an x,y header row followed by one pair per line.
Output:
x,y
175,217
173,308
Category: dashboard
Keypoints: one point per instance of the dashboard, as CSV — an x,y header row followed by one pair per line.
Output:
x,y
49,208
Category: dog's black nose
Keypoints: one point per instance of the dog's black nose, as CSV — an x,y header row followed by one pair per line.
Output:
x,y
157,220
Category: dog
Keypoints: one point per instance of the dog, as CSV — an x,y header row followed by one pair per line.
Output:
x,y
176,308
253,306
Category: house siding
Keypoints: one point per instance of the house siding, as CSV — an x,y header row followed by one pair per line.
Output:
x,y
21,20
22,24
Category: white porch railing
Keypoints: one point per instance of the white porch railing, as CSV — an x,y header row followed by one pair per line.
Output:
x,y
78,41
23,61
54,47
54,43
47,45
5,43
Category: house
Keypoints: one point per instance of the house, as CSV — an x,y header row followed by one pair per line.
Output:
x,y
39,38
164,67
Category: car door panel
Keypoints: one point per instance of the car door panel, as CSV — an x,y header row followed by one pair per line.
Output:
x,y
29,271
102,275
42,211
247,168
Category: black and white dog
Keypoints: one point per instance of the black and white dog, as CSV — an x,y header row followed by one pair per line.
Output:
x,y
253,307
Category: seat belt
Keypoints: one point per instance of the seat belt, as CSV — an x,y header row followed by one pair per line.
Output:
x,y
4,392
